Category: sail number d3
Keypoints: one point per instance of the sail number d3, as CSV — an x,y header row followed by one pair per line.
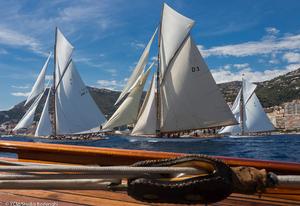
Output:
x,y
196,69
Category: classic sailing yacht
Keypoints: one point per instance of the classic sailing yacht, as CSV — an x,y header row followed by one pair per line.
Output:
x,y
75,109
183,96
186,96
248,112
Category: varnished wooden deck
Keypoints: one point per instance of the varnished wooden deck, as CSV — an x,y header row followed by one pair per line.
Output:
x,y
92,197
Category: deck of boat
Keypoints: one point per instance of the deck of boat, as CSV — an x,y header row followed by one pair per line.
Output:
x,y
51,153
93,197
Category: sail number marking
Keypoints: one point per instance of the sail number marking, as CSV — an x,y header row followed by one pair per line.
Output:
x,y
196,69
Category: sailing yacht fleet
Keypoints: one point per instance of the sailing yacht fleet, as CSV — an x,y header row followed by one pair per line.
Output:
x,y
183,96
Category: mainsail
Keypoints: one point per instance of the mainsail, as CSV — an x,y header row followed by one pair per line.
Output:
x,y
128,111
146,124
137,71
39,85
190,98
28,117
44,127
76,110
254,117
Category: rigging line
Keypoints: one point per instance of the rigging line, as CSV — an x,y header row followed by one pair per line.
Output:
x,y
63,74
107,170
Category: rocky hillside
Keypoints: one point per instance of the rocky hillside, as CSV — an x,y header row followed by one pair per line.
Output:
x,y
273,92
281,89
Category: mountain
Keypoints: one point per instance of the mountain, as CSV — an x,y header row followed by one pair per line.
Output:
x,y
273,92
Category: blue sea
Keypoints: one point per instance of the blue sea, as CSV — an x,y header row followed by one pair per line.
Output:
x,y
275,147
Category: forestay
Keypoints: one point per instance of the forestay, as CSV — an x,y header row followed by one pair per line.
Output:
x,y
128,111
76,111
27,119
39,85
146,124
190,98
137,71
44,127
174,29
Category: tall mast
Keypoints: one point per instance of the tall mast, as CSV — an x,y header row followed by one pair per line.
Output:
x,y
158,105
54,86
242,109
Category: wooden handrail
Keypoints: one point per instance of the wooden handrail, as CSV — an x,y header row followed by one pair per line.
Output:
x,y
111,156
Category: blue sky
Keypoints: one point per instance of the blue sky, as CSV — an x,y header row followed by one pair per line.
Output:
x,y
258,38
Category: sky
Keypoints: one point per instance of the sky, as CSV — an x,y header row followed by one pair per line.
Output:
x,y
257,38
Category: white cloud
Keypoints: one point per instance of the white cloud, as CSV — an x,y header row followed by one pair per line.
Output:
x,y
111,84
222,75
48,77
13,38
272,30
88,61
264,46
291,57
20,94
137,45
154,58
113,72
20,87
241,66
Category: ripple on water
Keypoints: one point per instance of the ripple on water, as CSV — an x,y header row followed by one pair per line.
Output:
x,y
276,147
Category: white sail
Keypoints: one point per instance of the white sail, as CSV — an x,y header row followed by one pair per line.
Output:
x,y
137,71
254,118
39,85
44,127
146,124
190,98
237,105
248,90
128,111
175,29
63,52
76,110
28,117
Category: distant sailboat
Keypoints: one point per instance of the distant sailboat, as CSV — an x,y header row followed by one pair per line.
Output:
x,y
186,96
75,109
248,112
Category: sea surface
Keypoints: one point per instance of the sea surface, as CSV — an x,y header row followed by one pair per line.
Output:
x,y
275,147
